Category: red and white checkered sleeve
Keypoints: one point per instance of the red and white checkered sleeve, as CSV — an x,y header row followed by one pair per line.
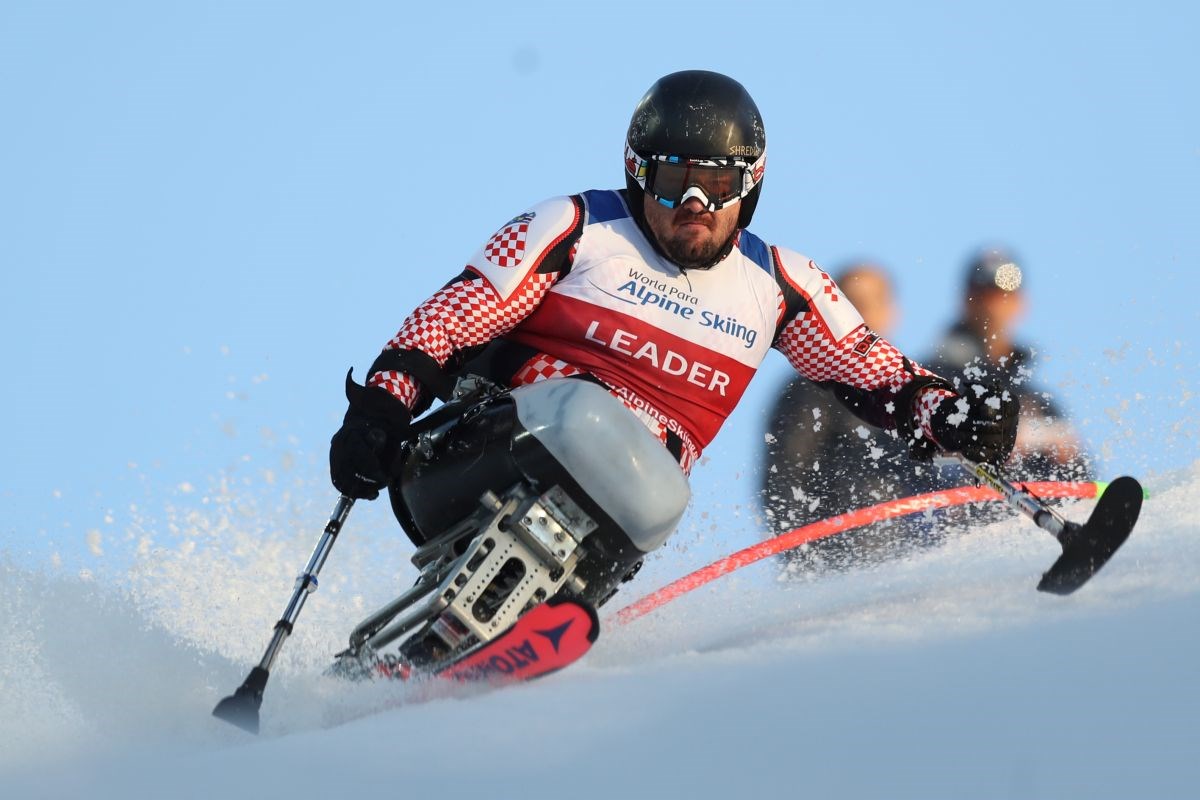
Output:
x,y
504,282
862,360
466,313
826,340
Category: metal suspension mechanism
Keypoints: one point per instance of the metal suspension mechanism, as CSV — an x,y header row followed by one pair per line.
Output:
x,y
514,552
512,498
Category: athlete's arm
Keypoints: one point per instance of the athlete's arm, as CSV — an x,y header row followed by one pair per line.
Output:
x,y
502,284
826,340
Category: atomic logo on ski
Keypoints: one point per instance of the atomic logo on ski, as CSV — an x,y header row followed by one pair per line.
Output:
x,y
555,634
544,640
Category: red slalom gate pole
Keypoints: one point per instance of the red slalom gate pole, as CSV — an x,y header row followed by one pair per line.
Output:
x,y
845,522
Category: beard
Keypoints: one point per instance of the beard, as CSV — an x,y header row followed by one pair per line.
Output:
x,y
694,255
689,249
690,255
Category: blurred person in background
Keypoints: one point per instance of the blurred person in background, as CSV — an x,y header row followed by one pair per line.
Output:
x,y
821,460
980,346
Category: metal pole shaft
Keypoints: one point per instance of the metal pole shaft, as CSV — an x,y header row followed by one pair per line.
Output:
x,y
306,582
1019,499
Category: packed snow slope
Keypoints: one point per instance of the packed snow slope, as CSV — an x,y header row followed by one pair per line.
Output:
x,y
942,674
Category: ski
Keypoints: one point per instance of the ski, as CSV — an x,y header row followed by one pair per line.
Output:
x,y
553,635
549,637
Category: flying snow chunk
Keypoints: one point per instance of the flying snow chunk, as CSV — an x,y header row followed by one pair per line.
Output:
x,y
962,407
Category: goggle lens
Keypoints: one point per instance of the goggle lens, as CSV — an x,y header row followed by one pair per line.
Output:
x,y
716,182
669,181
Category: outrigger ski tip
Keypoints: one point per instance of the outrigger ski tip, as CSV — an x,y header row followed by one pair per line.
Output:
x,y
241,707
1088,547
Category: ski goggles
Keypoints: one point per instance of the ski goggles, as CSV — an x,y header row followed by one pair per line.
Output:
x,y
716,182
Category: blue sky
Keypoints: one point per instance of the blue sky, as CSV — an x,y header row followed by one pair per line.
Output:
x,y
209,211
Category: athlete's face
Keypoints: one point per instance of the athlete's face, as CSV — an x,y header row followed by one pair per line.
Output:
x,y
689,235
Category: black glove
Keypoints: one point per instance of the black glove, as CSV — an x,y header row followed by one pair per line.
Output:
x,y
362,451
981,423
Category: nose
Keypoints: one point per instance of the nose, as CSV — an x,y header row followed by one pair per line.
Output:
x,y
693,205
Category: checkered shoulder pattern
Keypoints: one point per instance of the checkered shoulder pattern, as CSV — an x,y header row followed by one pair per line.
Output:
x,y
860,360
530,241
471,310
466,313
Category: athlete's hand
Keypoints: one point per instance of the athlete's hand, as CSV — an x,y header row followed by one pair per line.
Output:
x,y
981,423
363,449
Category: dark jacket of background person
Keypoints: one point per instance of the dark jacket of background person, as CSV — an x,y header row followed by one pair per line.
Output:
x,y
821,460
980,348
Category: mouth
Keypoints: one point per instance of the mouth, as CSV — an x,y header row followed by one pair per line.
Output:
x,y
694,223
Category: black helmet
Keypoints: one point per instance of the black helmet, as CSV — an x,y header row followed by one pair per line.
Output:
x,y
696,133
